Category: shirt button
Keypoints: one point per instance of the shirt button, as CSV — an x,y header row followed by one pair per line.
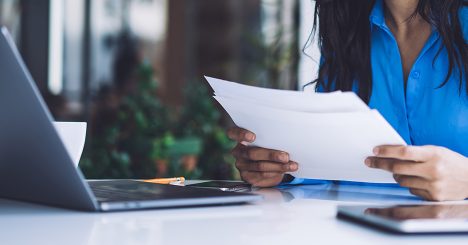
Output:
x,y
416,74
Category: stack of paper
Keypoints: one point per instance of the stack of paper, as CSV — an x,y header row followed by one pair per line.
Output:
x,y
328,134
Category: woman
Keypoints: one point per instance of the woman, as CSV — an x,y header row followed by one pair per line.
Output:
x,y
409,60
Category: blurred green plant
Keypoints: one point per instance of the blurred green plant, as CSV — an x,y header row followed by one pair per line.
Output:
x,y
126,138
139,137
201,118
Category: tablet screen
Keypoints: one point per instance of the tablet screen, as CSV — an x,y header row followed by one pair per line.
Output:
x,y
411,212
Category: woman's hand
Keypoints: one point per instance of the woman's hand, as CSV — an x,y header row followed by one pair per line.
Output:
x,y
259,166
434,173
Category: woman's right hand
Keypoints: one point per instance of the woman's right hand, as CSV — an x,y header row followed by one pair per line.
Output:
x,y
259,166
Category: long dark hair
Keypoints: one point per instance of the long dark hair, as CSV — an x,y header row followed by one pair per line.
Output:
x,y
344,40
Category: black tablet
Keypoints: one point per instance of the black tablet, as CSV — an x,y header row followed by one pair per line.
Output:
x,y
411,219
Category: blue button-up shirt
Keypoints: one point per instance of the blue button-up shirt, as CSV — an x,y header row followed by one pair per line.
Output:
x,y
425,114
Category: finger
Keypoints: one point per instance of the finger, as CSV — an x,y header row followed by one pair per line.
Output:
x,y
262,179
412,182
242,164
264,166
262,154
395,166
259,154
238,150
410,153
240,135
421,193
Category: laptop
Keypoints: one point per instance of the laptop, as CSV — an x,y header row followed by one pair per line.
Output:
x,y
36,167
410,219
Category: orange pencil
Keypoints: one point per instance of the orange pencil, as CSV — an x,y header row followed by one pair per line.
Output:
x,y
165,181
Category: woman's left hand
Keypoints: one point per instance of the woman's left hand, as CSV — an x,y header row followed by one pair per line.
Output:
x,y
431,172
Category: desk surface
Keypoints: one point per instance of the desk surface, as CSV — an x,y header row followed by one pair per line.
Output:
x,y
293,215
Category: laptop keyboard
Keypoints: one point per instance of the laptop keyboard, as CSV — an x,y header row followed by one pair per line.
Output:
x,y
128,190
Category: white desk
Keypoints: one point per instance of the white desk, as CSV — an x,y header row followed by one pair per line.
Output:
x,y
303,215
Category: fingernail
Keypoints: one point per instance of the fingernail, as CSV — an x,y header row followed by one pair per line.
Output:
x,y
283,157
376,151
368,162
250,136
293,167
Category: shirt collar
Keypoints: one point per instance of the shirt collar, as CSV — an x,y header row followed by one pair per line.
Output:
x,y
377,16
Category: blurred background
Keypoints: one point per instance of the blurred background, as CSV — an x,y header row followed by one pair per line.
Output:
x,y
133,69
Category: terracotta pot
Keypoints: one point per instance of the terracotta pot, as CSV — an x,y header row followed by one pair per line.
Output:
x,y
189,162
162,167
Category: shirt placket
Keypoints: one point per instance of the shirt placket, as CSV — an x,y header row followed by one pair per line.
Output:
x,y
415,84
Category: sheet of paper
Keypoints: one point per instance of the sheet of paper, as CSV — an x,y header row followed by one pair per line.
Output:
x,y
73,135
289,100
329,146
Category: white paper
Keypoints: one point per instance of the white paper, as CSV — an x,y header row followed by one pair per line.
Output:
x,y
73,135
330,146
289,100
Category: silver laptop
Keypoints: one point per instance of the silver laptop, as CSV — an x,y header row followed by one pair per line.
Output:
x,y
36,167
